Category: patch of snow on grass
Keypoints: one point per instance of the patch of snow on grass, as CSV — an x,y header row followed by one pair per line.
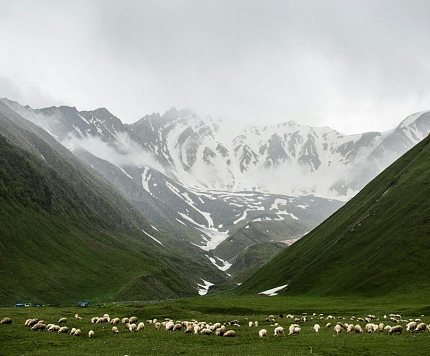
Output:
x,y
152,237
274,291
203,288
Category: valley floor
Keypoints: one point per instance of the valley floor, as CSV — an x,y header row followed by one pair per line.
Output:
x,y
17,339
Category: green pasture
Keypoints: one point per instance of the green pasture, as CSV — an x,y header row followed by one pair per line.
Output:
x,y
16,339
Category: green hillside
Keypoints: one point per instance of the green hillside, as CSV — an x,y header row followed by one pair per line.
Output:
x,y
67,234
376,245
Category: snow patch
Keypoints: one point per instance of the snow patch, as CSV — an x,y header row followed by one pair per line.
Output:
x,y
274,291
203,288
152,237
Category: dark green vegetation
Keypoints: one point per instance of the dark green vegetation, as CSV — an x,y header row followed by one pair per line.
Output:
x,y
376,245
66,235
16,339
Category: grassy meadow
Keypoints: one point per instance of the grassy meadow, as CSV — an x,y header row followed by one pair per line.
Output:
x,y
16,339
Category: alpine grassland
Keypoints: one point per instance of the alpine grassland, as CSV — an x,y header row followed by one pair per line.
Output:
x,y
17,339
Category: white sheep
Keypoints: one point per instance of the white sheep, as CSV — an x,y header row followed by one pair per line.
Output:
x,y
157,325
189,329
63,330
337,328
396,329
411,326
78,332
206,331
250,324
350,328
91,334
278,331
133,319
317,328
294,329
114,330
62,320
72,332
115,321
140,326
358,328
6,320
421,327
220,331
230,333
77,317
262,332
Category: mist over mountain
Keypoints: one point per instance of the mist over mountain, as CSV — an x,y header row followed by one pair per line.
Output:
x,y
187,173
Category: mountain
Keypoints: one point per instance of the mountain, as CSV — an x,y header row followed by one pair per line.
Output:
x,y
376,245
206,182
67,235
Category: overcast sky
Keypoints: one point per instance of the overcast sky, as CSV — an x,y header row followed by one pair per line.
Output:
x,y
355,66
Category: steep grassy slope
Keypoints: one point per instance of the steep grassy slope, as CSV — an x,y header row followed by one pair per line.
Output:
x,y
55,248
67,235
377,244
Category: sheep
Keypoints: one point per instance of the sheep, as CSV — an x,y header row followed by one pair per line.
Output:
x,y
230,333
337,328
206,331
132,327
39,327
421,327
411,326
6,320
197,329
396,329
250,324
125,320
358,328
317,328
350,328
115,321
256,324
262,333
294,329
278,331
157,325
328,325
62,320
189,329
371,328
72,332
91,334
381,326
133,319
177,326
78,332
106,318
94,320
169,325
140,326
77,317
220,331
114,330
63,330
53,328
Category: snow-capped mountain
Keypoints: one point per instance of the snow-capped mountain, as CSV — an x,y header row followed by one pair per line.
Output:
x,y
182,170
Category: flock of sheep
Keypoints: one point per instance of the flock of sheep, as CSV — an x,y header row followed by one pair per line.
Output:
x,y
392,324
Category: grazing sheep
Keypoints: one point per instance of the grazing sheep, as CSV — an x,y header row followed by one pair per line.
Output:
x,y
196,329
278,331
157,325
230,333
317,328
94,320
78,332
250,324
411,326
205,331
294,329
350,328
53,328
421,327
125,320
62,320
91,334
256,324
72,332
115,321
262,333
328,325
6,320
381,326
396,329
39,326
358,328
371,328
140,326
133,319
170,325
189,329
77,317
115,330
220,331
177,326
63,330
337,328
132,327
